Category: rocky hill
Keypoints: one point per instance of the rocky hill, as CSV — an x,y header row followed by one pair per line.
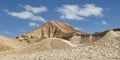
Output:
x,y
10,43
60,41
106,48
51,29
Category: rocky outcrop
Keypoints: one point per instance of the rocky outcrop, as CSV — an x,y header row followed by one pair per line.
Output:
x,y
103,33
88,38
64,31
44,45
117,30
10,44
83,39
59,41
52,29
103,49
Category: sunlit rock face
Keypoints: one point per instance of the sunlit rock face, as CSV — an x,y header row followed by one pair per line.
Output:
x,y
52,29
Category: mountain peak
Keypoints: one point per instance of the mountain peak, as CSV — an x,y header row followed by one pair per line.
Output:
x,y
51,21
55,22
54,29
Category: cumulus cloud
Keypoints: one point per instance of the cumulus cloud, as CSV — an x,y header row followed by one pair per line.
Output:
x,y
29,13
91,9
104,22
78,28
22,15
26,15
79,13
69,12
33,24
35,9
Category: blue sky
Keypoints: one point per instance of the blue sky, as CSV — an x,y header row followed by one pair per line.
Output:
x,y
22,16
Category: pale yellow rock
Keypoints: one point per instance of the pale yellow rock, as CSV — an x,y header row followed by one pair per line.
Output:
x,y
52,29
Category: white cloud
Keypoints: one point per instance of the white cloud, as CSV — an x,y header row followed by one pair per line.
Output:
x,y
29,13
78,28
79,13
22,15
26,15
70,12
33,24
91,9
37,18
104,22
35,9
7,32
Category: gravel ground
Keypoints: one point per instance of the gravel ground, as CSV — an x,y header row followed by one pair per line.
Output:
x,y
108,48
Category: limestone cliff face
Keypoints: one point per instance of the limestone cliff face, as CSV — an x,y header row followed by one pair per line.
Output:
x,y
117,30
64,31
88,38
52,29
